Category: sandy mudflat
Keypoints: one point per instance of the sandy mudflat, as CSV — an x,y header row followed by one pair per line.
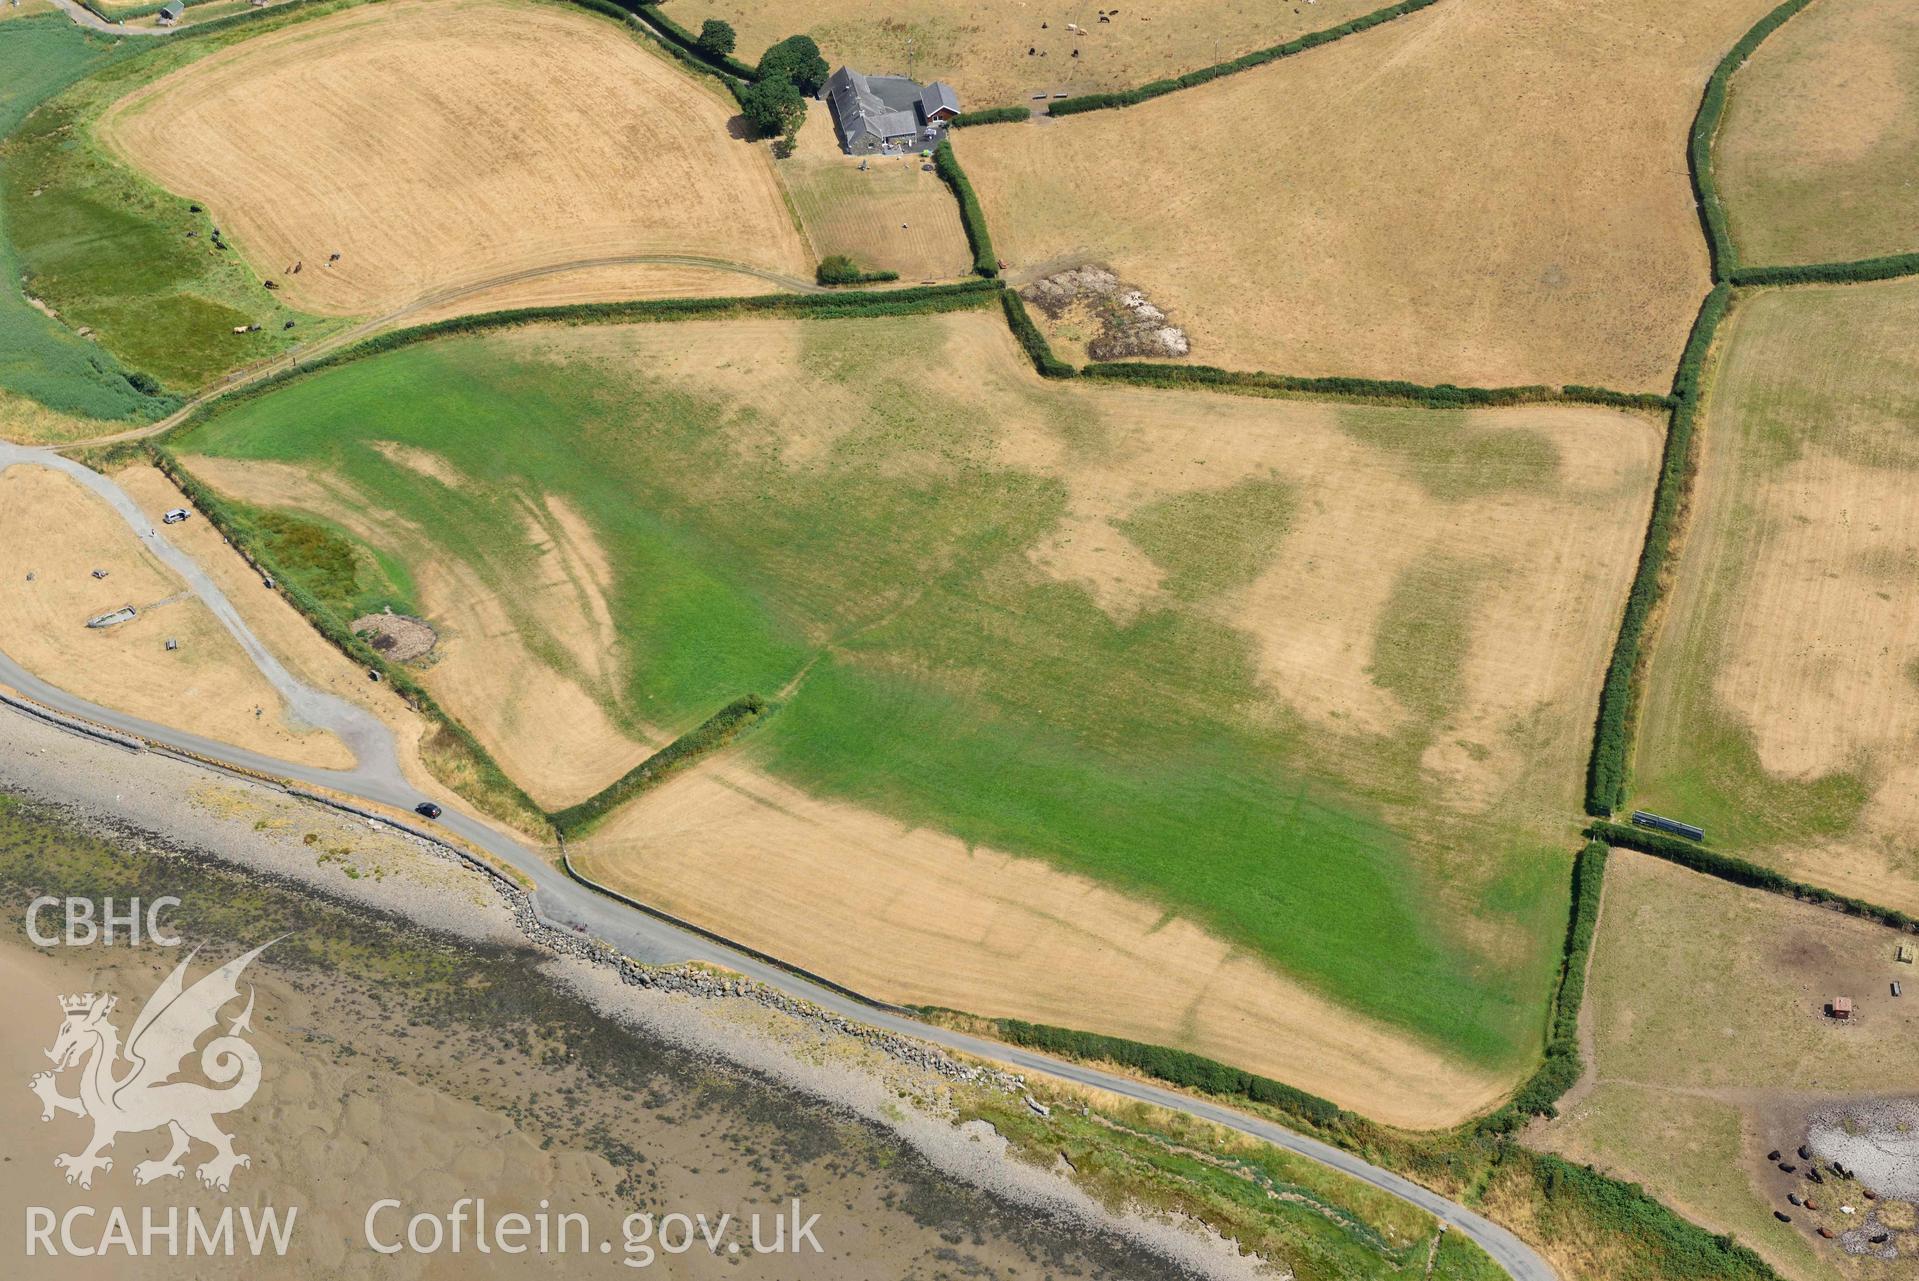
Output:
x,y
407,1089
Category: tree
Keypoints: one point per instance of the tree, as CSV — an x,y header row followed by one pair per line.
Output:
x,y
797,59
838,270
716,38
773,106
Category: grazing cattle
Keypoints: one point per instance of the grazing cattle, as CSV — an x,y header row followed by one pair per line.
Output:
x,y
1794,1198
1773,1155
1805,1153
1782,1216
1812,1172
1826,1233
1788,1167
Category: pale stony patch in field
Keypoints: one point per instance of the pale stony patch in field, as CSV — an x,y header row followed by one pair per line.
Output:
x,y
913,915
427,143
53,535
1522,214
548,730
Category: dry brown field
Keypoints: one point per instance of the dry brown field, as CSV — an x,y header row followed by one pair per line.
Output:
x,y
895,216
1708,1047
917,917
980,47
1782,708
548,728
1817,152
459,140
53,529
1484,193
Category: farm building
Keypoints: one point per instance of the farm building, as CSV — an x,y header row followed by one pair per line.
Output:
x,y
172,12
888,113
1841,1007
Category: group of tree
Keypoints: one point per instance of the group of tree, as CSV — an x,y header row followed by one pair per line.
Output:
x,y
788,74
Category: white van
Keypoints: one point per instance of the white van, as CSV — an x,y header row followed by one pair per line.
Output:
x,y
175,516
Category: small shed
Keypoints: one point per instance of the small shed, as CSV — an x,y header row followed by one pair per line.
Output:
x,y
1903,954
171,12
1841,1007
938,102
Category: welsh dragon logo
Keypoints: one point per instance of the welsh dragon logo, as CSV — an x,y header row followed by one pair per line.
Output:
x,y
143,1095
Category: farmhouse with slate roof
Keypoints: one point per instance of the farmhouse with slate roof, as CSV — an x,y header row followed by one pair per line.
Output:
x,y
888,113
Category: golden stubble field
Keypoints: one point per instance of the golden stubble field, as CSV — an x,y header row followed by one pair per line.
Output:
x,y
431,144
1782,706
980,46
54,530
1817,153
1483,193
1707,1048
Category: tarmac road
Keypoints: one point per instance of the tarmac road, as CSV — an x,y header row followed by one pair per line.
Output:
x,y
566,903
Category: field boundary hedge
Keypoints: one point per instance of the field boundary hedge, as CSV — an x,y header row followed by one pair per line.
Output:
x,y
711,734
1176,1067
1245,62
1857,271
240,534
1541,1092
1038,350
1739,871
991,116
1606,770
1705,130
679,41
972,217
827,305
1441,396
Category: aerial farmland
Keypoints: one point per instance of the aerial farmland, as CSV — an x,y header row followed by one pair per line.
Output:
x,y
1280,631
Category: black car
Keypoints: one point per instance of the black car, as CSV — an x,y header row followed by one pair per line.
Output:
x,y
427,808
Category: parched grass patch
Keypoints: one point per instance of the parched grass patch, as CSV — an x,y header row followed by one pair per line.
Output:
x,y
1820,139
1521,215
922,551
1778,710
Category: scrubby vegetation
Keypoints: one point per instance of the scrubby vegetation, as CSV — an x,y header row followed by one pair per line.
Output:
x,y
838,269
992,116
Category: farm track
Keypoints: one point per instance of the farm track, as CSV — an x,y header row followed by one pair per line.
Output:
x,y
437,298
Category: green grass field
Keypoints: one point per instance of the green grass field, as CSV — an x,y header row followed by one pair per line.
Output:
x,y
943,679
40,359
1791,626
1816,155
113,253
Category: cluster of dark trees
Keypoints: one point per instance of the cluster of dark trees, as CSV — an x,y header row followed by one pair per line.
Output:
x,y
789,73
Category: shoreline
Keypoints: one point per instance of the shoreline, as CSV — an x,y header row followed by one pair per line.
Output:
x,y
881,1078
